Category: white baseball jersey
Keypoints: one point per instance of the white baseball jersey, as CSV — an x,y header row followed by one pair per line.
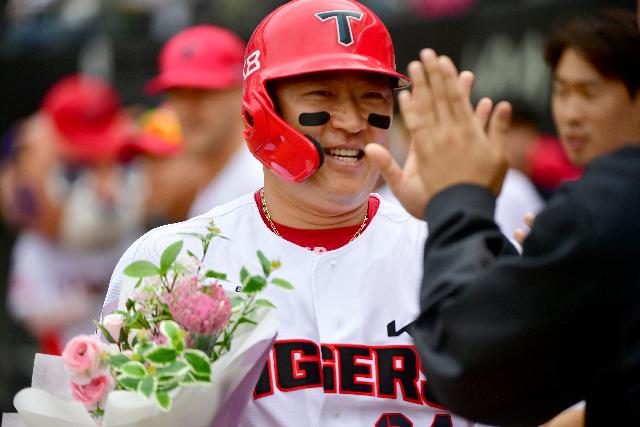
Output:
x,y
518,196
342,356
240,175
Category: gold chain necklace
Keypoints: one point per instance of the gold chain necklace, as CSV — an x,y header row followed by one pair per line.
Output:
x,y
267,215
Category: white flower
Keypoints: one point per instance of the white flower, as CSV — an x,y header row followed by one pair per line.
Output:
x,y
113,323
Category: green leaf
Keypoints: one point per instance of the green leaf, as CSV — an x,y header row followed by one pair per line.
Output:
x,y
198,235
254,284
137,321
178,344
244,275
164,400
117,360
216,275
246,320
128,383
266,264
265,303
189,379
147,386
106,333
133,369
235,301
198,361
201,378
176,369
282,283
193,378
169,256
170,329
192,255
161,355
141,269
130,304
124,334
166,386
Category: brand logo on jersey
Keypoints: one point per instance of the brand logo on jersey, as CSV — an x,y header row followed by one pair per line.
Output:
x,y
392,332
251,64
343,23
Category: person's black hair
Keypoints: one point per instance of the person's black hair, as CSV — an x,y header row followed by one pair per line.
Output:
x,y
610,42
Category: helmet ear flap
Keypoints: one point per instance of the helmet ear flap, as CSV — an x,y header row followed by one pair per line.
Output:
x,y
282,149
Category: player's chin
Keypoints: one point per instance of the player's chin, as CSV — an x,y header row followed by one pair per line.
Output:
x,y
349,189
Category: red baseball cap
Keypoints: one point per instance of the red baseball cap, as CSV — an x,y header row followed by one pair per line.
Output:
x,y
203,56
86,111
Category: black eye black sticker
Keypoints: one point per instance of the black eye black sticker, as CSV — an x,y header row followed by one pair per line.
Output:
x,y
379,121
314,119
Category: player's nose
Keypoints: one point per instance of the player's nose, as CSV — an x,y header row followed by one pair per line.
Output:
x,y
348,116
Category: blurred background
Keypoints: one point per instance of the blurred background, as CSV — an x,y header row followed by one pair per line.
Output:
x,y
42,41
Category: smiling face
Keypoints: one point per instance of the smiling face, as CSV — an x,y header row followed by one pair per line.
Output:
x,y
593,115
347,177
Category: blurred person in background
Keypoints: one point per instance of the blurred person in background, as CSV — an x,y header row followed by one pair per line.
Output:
x,y
200,71
16,366
166,170
525,337
537,155
77,205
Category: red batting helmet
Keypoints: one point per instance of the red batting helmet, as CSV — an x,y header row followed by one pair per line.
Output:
x,y
301,37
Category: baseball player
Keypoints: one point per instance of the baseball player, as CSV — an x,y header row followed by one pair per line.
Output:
x,y
318,82
200,71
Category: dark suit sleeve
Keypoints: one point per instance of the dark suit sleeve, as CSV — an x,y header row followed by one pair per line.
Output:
x,y
501,336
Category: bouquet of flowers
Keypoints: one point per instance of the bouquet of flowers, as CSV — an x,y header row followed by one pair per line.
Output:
x,y
179,325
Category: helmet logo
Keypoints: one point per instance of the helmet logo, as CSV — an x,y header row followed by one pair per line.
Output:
x,y
343,22
251,64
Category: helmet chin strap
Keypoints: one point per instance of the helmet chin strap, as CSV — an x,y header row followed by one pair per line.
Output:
x,y
319,148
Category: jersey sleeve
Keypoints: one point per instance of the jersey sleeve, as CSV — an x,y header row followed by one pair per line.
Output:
x,y
117,278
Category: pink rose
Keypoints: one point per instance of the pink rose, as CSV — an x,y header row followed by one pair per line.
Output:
x,y
81,358
113,323
93,392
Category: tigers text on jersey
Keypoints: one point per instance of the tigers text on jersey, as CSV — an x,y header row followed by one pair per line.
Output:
x,y
342,356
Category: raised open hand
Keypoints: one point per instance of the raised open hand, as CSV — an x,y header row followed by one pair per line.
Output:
x,y
450,142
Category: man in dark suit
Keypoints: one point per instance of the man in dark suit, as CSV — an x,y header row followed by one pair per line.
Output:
x,y
513,340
